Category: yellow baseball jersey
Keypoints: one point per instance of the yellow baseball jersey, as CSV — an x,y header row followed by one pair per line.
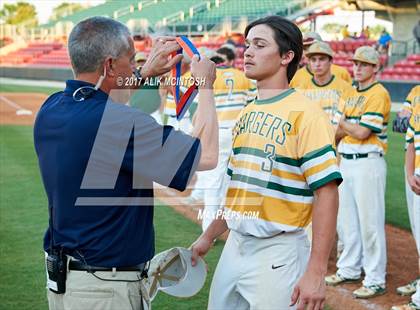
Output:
x,y
304,75
329,95
283,150
370,108
413,136
412,99
232,91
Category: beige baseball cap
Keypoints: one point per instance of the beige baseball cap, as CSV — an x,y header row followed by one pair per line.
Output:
x,y
311,37
140,56
366,54
320,48
172,273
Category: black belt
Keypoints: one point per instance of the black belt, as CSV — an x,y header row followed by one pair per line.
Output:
x,y
358,155
78,265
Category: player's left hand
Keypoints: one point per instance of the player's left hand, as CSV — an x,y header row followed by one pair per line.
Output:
x,y
309,292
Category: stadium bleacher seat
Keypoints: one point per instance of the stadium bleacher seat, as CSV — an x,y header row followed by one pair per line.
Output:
x,y
405,69
38,53
236,9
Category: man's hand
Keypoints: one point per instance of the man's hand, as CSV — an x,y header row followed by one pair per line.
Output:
x,y
203,69
158,61
200,248
414,182
309,292
404,113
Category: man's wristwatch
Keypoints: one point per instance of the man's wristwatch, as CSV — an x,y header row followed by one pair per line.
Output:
x,y
137,73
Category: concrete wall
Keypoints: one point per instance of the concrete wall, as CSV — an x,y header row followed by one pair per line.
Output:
x,y
398,90
50,74
403,25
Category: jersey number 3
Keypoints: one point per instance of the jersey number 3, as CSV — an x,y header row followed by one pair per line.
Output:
x,y
267,164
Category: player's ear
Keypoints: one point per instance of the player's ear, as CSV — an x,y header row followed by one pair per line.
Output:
x,y
287,57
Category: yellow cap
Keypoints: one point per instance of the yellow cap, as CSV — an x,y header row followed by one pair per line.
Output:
x,y
320,48
366,54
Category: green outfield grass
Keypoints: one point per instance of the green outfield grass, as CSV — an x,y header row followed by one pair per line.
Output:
x,y
23,219
7,88
396,206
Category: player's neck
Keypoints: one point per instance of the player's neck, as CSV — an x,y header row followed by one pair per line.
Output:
x,y
366,83
323,79
272,86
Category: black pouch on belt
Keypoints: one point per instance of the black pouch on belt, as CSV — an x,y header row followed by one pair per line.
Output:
x,y
57,271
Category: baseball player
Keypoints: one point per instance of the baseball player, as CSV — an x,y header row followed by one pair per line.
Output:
x,y
324,87
411,108
283,156
361,217
305,73
232,91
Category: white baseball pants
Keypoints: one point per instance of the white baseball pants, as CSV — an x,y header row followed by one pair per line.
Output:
x,y
361,220
413,205
259,273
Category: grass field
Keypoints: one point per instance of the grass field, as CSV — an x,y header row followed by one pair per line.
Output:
x,y
27,89
23,219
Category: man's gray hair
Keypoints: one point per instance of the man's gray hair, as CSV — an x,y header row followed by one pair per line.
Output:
x,y
94,39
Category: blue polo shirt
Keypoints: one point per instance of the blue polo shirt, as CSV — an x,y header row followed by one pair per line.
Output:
x,y
98,161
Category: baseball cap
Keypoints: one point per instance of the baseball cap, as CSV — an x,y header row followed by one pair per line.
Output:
x,y
229,46
366,54
140,56
311,37
320,48
206,52
172,273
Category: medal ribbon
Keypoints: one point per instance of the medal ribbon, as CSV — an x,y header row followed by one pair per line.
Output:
x,y
183,102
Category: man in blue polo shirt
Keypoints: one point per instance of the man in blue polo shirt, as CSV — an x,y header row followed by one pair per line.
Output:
x,y
98,160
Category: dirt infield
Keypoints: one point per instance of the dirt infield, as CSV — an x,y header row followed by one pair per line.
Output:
x,y
401,267
402,253
15,107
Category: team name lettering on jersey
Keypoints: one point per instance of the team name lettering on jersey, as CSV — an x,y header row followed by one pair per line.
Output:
x,y
265,125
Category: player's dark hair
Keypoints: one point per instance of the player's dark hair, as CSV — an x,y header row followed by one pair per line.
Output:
x,y
228,52
287,36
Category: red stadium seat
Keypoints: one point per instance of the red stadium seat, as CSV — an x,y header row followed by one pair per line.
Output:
x,y
414,57
396,76
333,45
340,46
384,76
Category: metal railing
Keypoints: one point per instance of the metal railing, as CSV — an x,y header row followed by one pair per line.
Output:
x,y
123,11
404,48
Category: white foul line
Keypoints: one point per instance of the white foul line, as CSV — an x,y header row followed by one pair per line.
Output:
x,y
19,110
